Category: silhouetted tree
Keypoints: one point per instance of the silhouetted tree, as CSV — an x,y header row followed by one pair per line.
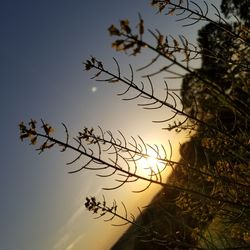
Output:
x,y
239,8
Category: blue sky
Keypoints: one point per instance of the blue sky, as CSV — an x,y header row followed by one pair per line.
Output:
x,y
42,47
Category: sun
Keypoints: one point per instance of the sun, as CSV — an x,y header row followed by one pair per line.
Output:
x,y
151,164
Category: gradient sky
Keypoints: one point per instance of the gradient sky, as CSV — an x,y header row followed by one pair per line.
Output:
x,y
42,47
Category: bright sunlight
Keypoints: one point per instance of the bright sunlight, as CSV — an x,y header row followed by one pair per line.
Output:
x,y
151,164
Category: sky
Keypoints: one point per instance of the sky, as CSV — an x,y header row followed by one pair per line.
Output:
x,y
42,47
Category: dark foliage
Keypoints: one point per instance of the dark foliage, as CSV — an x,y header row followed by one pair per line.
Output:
x,y
239,8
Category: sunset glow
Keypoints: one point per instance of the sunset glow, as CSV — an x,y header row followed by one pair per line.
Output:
x,y
151,164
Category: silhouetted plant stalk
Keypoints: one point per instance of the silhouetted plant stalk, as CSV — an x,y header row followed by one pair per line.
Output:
x,y
101,209
116,165
166,50
109,213
187,10
154,102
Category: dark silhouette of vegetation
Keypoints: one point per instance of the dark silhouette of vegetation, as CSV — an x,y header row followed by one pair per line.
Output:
x,y
238,8
205,203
